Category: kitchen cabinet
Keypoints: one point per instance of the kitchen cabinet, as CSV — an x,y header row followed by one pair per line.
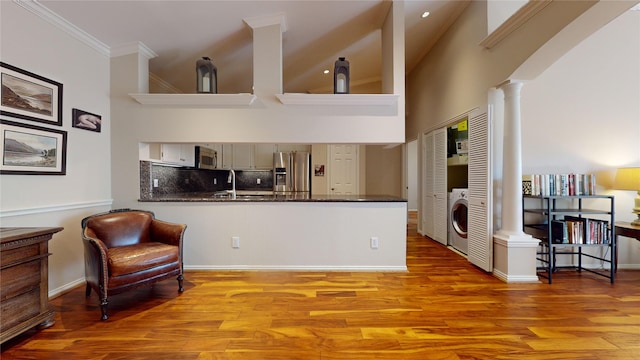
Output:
x,y
178,154
242,156
239,156
293,147
263,156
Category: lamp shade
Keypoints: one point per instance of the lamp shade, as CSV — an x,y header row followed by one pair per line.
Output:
x,y
627,179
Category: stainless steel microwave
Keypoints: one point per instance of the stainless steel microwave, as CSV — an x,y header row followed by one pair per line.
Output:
x,y
206,158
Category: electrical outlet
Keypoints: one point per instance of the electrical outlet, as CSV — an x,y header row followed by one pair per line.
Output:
x,y
155,183
215,181
374,242
186,181
258,181
235,242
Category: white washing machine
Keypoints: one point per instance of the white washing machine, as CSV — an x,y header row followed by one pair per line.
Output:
x,y
458,209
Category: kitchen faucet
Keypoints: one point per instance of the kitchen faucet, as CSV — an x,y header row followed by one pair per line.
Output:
x,y
232,179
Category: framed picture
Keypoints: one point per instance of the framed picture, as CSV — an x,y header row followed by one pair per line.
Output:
x,y
32,150
29,96
86,120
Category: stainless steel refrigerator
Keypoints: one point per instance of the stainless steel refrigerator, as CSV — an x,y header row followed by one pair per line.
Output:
x,y
292,173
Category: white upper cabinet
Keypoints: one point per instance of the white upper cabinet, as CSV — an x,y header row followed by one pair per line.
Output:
x,y
178,154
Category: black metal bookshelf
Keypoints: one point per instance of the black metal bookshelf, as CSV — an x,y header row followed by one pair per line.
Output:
x,y
547,209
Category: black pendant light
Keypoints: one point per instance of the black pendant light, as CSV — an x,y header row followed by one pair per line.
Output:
x,y
206,76
341,76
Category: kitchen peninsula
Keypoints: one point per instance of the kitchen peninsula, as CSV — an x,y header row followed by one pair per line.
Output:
x,y
283,232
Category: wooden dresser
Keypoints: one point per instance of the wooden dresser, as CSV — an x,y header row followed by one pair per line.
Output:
x,y
24,280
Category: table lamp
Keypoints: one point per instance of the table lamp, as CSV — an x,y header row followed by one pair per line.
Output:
x,y
629,179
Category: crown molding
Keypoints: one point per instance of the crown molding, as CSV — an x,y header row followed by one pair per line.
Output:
x,y
519,18
341,99
135,47
162,84
268,20
196,100
43,12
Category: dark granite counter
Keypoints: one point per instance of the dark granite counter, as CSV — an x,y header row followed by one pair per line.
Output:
x,y
211,197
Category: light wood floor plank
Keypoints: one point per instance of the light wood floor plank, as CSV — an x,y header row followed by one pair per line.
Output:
x,y
443,308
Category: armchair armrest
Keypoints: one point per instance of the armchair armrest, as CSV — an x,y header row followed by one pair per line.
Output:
x,y
167,232
96,261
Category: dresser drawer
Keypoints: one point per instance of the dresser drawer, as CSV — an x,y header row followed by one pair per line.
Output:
x,y
24,288
19,279
17,309
10,256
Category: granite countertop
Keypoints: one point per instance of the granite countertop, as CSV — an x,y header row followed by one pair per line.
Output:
x,y
258,197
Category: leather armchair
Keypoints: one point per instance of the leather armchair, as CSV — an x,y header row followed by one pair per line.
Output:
x,y
125,249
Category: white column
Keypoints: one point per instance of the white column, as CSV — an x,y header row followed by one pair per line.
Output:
x,y
267,53
514,251
512,161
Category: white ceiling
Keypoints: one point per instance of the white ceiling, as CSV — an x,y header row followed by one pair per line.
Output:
x,y
317,33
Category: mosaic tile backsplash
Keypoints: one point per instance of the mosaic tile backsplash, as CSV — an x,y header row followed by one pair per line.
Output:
x,y
176,180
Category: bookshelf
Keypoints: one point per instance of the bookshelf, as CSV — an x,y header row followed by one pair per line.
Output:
x,y
566,227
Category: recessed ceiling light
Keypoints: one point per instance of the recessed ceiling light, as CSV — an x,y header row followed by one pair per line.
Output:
x,y
326,71
425,14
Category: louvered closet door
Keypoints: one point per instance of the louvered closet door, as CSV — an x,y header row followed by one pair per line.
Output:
x,y
440,185
480,218
428,198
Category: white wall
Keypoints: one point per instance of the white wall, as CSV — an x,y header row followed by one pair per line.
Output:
x,y
33,44
582,114
412,175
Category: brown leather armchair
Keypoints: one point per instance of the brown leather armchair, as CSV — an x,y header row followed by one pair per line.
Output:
x,y
125,249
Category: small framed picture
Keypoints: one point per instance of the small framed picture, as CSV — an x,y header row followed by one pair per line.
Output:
x,y
86,120
29,96
32,150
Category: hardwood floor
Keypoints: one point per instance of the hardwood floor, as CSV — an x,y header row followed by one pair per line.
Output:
x,y
442,308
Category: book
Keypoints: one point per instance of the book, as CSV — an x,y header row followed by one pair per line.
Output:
x,y
527,185
577,229
559,232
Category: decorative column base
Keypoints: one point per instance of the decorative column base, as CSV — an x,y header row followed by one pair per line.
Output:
x,y
514,257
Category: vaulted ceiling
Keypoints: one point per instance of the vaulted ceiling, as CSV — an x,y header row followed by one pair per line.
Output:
x,y
317,32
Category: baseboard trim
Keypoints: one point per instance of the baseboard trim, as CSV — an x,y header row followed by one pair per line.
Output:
x,y
66,288
297,268
515,279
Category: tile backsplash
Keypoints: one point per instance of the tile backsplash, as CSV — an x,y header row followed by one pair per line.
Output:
x,y
176,180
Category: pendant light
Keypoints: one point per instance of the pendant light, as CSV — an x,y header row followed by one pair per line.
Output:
x,y
206,76
341,76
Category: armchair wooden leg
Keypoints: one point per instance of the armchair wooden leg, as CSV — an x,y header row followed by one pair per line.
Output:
x,y
87,291
103,309
180,281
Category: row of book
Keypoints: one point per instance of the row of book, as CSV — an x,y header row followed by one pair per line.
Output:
x,y
559,184
576,230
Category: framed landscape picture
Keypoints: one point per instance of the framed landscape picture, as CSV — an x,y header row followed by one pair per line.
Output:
x,y
32,150
29,96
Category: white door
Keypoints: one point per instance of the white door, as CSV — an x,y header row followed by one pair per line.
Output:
x,y
434,187
480,230
440,210
343,169
428,199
